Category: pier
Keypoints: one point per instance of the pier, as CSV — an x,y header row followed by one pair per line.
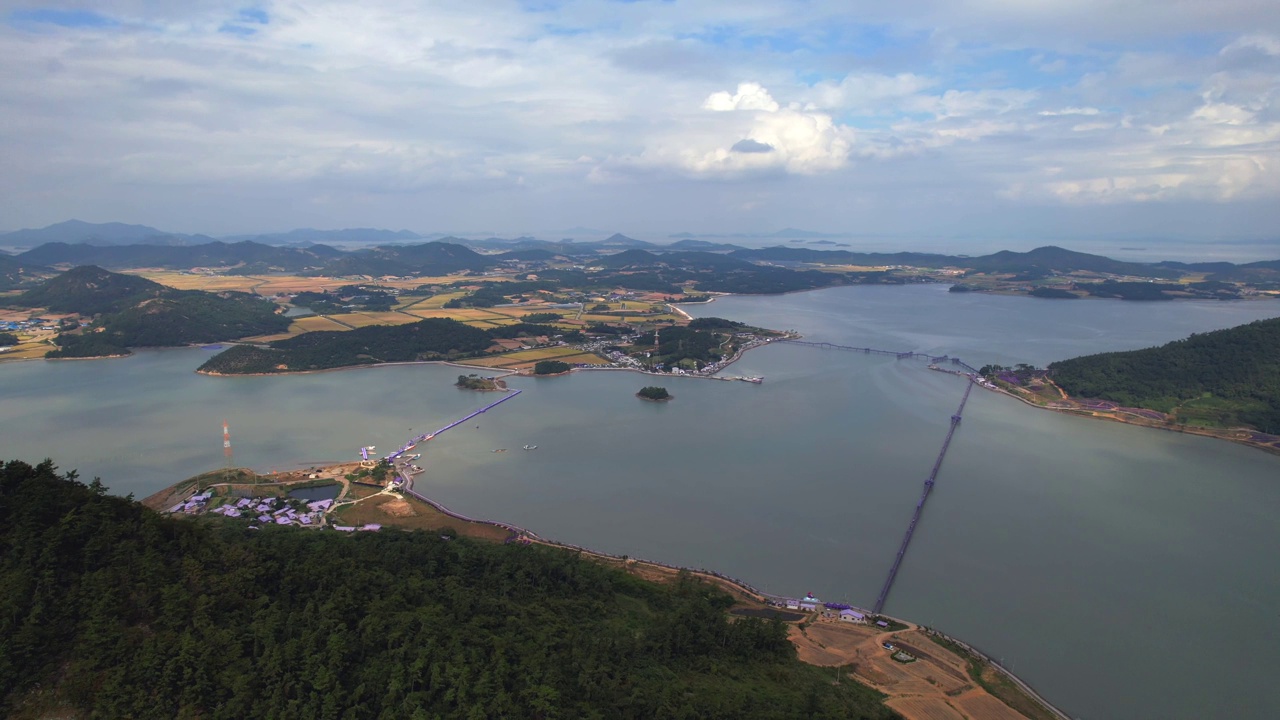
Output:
x,y
928,488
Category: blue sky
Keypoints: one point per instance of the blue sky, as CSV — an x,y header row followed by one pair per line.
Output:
x,y
917,120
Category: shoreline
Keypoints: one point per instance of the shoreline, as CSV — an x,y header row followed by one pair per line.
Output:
x,y
649,570
1114,416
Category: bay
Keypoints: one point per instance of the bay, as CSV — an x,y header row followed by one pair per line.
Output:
x,y
1122,571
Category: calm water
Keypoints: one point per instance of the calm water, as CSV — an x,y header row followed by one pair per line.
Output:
x,y
1124,572
322,492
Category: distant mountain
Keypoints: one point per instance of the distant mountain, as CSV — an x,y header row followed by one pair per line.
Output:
x,y
102,234
307,236
1044,259
618,240
433,258
250,255
628,258
689,244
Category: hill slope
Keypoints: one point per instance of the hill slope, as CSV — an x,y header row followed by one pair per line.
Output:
x,y
90,290
110,610
135,312
1222,378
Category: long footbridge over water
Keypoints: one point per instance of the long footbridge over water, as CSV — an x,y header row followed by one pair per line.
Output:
x,y
934,360
901,355
428,436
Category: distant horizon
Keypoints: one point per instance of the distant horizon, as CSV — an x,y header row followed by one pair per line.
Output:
x,y
1128,248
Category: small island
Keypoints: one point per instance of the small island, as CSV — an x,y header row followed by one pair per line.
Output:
x,y
654,394
475,382
551,367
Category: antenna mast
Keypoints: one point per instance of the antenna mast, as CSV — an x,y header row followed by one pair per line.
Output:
x,y
226,443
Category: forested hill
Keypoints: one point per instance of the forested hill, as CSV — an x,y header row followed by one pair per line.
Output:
x,y
90,290
130,311
430,339
1226,377
110,610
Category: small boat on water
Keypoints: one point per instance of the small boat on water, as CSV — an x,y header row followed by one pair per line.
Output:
x,y
414,457
500,450
756,380
530,447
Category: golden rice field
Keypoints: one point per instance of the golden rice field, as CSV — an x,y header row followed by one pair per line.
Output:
x,y
26,350
528,358
316,322
365,319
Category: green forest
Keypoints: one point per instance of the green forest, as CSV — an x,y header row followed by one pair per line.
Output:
x,y
1223,378
430,339
110,610
653,392
131,311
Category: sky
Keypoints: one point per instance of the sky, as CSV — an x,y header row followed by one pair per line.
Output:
x,y
909,120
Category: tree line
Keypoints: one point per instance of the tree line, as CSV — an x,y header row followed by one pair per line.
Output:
x,y
112,610
1236,370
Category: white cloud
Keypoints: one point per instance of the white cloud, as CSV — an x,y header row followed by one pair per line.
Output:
x,y
750,96
1265,43
870,93
334,99
1070,111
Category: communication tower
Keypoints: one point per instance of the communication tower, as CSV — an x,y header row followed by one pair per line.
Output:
x,y
226,444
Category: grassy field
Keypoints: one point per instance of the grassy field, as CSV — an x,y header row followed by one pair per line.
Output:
x,y
412,514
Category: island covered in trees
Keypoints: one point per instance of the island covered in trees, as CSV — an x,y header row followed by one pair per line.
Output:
x,y
654,393
476,382
1224,383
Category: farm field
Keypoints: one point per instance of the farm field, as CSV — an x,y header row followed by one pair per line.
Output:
x,y
528,358
365,319
278,284
316,322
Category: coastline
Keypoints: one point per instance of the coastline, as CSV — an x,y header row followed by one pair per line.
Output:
x,y
1229,434
746,596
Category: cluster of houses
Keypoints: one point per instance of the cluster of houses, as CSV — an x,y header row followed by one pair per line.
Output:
x,y
834,611
266,511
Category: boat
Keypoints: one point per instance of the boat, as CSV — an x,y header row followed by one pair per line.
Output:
x,y
530,447
756,380
408,447
414,457
500,450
